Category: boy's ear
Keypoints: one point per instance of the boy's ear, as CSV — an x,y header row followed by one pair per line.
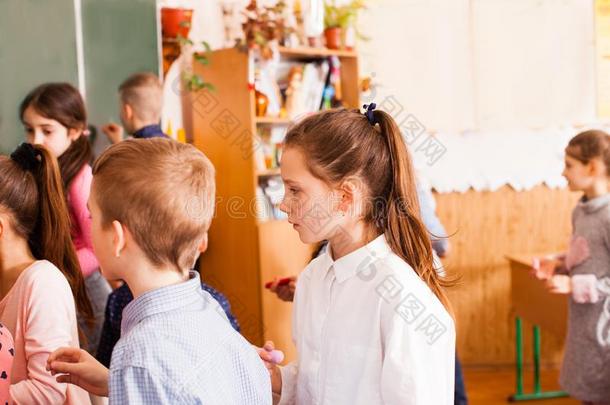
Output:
x,y
128,111
203,246
118,238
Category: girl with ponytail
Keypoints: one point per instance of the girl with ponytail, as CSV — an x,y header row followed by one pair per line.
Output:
x,y
54,115
36,252
371,320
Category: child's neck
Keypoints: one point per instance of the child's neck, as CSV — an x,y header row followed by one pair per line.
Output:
x,y
598,189
348,240
14,260
151,278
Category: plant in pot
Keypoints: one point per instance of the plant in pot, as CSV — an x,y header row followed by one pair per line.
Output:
x,y
263,28
193,81
338,19
175,22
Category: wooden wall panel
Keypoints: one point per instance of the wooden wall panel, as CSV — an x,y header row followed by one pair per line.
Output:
x,y
486,227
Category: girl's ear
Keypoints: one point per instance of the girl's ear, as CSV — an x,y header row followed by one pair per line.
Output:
x,y
118,238
74,134
350,191
596,168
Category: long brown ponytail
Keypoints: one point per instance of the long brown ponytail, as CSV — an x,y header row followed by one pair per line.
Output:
x,y
63,103
402,224
342,143
32,192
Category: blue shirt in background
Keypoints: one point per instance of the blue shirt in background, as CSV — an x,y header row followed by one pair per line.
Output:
x,y
150,131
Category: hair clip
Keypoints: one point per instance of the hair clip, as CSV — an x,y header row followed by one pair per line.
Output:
x,y
369,113
26,156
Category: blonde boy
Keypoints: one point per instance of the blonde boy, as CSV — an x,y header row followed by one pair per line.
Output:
x,y
141,103
151,205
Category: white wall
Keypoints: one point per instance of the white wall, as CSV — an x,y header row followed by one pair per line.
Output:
x,y
484,64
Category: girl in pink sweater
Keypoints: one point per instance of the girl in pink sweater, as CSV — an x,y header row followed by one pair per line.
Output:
x,y
36,252
54,115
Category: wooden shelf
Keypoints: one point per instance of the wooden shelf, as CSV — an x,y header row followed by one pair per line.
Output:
x,y
305,52
273,121
269,172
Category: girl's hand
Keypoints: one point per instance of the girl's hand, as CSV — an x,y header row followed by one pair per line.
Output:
x,y
78,367
559,284
543,268
284,292
272,358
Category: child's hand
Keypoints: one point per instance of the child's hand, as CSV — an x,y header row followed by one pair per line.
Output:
x,y
559,284
284,292
584,288
272,358
543,268
78,367
113,131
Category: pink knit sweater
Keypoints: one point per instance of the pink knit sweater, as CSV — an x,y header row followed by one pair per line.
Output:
x,y
78,194
39,311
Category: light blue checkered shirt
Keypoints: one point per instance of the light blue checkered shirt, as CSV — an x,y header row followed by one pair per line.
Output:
x,y
177,347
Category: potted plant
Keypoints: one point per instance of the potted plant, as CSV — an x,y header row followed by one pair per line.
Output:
x,y
175,22
263,28
339,19
192,81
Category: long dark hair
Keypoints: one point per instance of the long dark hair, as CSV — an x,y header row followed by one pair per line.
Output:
x,y
341,143
63,103
33,195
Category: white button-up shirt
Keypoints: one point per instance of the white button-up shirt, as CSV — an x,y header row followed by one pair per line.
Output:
x,y
368,331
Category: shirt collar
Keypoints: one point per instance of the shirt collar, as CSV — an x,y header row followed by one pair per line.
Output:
x,y
149,131
161,300
594,204
358,260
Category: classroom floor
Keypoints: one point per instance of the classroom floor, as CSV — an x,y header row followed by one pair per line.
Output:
x,y
492,386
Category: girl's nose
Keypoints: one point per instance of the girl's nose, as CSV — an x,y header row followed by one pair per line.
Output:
x,y
283,206
38,138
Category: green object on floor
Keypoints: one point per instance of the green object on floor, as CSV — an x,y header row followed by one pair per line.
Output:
x,y
538,393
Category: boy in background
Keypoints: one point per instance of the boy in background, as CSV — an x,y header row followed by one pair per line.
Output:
x,y
141,103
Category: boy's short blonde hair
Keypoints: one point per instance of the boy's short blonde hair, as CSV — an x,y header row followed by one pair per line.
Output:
x,y
144,93
162,191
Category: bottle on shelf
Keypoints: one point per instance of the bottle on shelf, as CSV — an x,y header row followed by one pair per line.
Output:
x,y
261,100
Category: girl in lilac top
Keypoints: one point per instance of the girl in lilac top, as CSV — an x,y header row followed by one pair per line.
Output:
x,y
54,115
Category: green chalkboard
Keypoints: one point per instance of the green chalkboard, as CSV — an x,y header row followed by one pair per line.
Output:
x,y
120,38
37,44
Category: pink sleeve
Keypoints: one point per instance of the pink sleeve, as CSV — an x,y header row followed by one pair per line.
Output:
x,y
49,317
78,195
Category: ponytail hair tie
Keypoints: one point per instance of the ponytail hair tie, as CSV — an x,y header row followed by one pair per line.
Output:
x,y
26,156
86,132
369,113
